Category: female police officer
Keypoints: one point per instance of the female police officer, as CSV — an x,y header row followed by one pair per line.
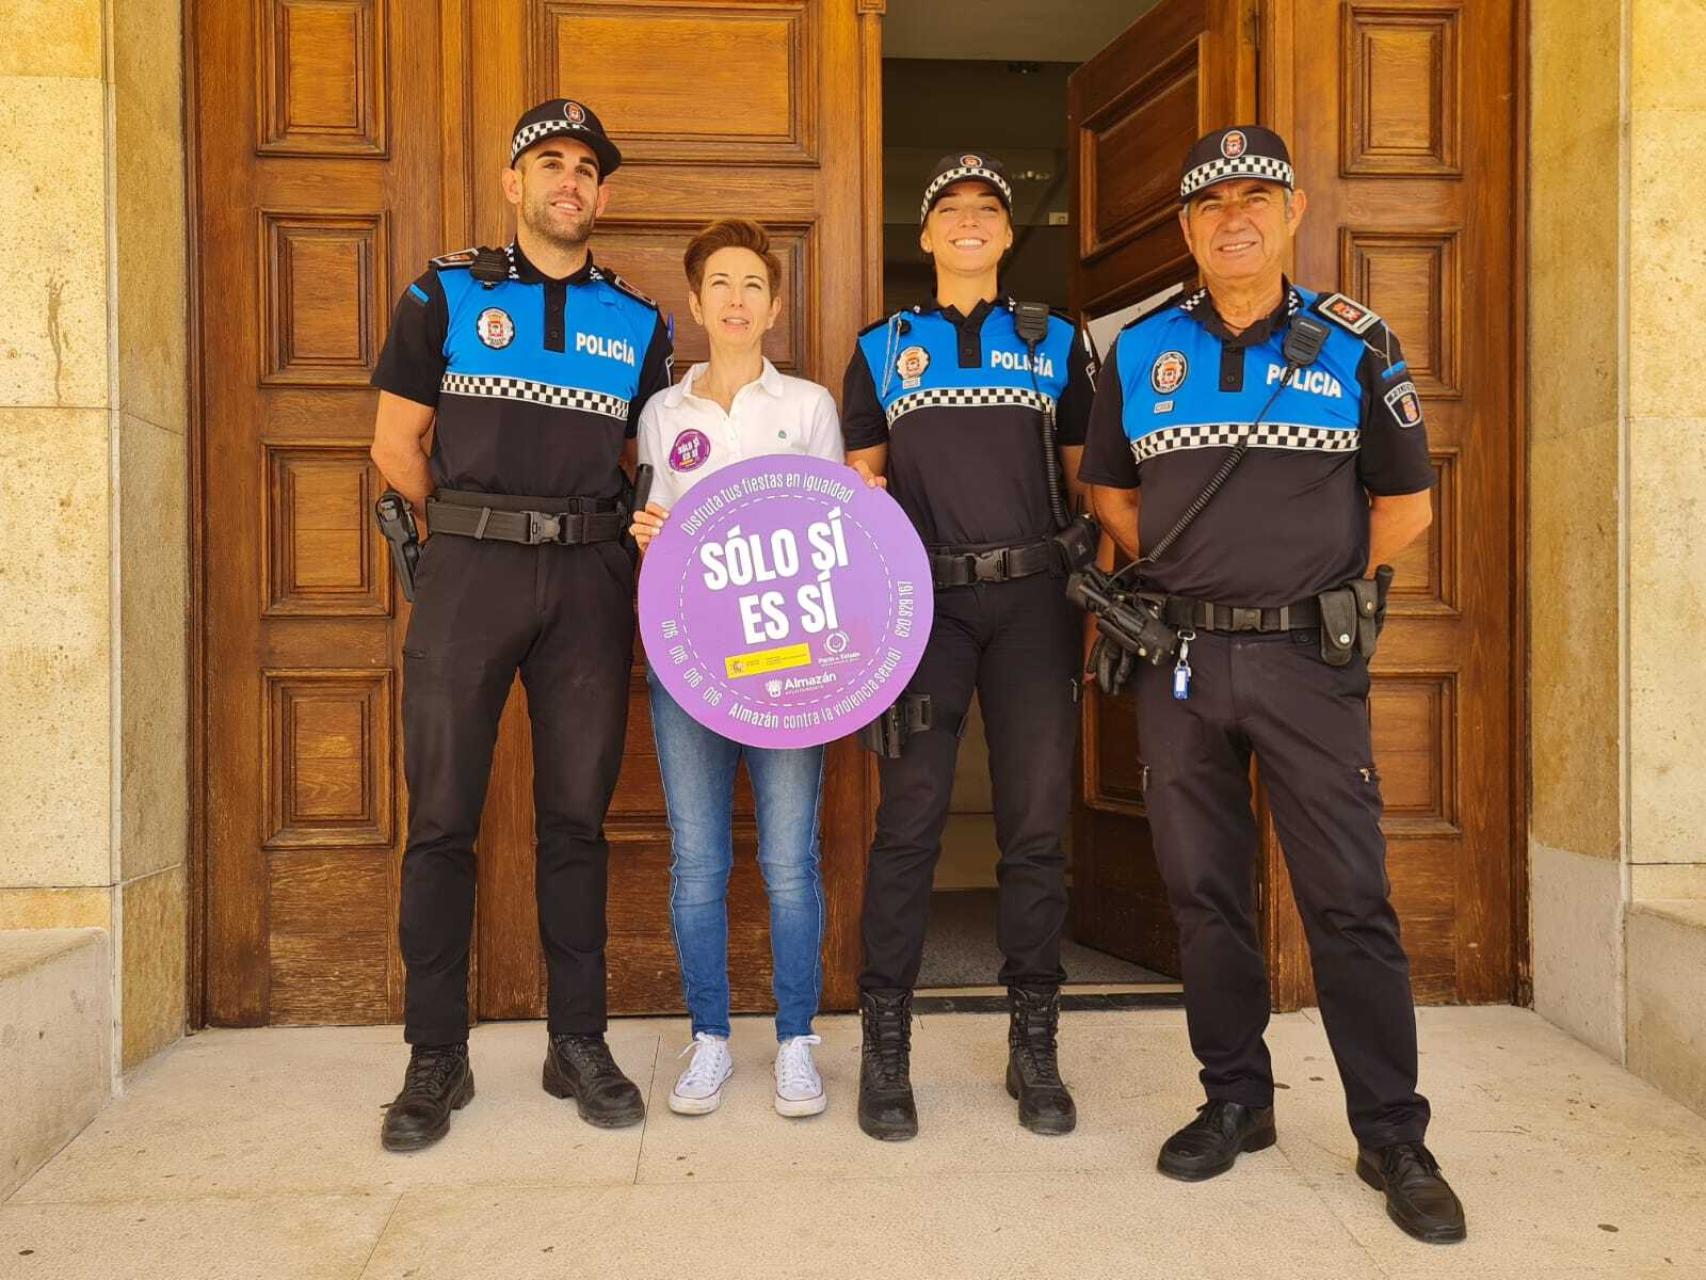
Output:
x,y
950,402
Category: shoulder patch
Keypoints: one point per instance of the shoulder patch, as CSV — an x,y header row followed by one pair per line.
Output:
x,y
461,258
1346,313
627,288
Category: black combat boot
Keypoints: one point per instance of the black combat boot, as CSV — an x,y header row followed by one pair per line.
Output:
x,y
1418,1198
580,1067
1033,1063
438,1081
1208,1145
886,1109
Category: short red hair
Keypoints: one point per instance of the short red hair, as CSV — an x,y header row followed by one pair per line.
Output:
x,y
731,233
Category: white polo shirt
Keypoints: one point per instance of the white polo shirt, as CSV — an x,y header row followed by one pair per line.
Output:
x,y
686,437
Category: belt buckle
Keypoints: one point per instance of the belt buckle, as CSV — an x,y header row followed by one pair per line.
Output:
x,y
989,566
1246,619
542,526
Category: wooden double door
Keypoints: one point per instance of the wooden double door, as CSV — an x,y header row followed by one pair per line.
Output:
x,y
338,144
1402,119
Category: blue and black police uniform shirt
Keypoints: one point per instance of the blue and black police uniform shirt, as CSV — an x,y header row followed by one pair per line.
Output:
x,y
537,382
953,397
1177,391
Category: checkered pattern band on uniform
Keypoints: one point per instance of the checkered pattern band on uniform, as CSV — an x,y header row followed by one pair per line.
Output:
x,y
524,389
525,137
1293,301
956,175
1226,435
1221,168
966,398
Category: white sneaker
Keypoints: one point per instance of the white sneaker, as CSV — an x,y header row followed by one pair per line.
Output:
x,y
799,1088
700,1088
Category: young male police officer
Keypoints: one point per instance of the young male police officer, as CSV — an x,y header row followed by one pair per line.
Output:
x,y
529,364
1335,482
947,402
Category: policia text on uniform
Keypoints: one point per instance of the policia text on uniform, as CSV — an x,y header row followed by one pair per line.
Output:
x,y
1256,449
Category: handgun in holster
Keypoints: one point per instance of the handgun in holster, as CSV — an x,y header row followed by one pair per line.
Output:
x,y
1352,617
397,523
886,736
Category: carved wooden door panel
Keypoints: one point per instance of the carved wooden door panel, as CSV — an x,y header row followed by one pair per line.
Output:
x,y
749,109
1133,112
1402,120
315,139
338,145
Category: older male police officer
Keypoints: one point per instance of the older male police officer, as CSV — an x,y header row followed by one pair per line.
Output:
x,y
1307,399
956,401
530,365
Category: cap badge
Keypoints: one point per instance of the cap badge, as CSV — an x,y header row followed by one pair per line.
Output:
x,y
969,161
495,327
1234,144
574,113
911,366
1168,371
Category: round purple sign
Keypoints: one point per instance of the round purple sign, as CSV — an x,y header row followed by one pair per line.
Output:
x,y
786,602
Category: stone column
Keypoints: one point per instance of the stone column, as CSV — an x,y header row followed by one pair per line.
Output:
x,y
93,492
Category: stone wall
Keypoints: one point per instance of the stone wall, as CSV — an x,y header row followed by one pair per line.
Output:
x,y
94,492
1617,470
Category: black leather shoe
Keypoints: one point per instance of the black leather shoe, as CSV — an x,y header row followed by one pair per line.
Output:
x,y
1208,1145
438,1081
1033,1062
886,1108
1418,1198
580,1067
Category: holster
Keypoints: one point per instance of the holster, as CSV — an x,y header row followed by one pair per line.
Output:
x,y
1352,616
911,713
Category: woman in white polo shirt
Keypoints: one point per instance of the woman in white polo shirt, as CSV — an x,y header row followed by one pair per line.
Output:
x,y
734,407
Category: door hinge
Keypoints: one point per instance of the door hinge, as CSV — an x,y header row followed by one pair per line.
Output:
x,y
1253,24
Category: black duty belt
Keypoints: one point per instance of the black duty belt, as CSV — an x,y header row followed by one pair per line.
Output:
x,y
505,517
1205,615
961,566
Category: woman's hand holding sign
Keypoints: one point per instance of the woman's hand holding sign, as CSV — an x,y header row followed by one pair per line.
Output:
x,y
647,525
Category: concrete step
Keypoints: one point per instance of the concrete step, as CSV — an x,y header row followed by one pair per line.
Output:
x,y
55,1043
1666,941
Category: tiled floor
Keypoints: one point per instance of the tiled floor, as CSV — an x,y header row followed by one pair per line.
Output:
x,y
255,1153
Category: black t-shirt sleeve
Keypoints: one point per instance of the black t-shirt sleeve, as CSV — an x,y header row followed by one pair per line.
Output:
x,y
1392,456
413,361
1107,450
1072,418
864,425
655,374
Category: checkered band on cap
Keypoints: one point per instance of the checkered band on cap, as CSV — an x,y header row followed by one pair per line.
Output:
x,y
527,135
965,398
1227,435
945,180
525,389
1221,168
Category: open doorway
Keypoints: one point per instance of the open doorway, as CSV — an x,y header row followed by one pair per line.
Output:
x,y
993,80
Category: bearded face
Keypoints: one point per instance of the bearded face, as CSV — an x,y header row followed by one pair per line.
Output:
x,y
560,195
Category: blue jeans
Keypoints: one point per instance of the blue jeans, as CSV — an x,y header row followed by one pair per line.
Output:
x,y
698,769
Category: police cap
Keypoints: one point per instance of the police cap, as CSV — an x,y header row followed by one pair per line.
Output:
x,y
967,166
577,120
1243,151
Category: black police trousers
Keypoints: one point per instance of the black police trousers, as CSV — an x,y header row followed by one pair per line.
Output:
x,y
1307,725
1017,644
564,617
